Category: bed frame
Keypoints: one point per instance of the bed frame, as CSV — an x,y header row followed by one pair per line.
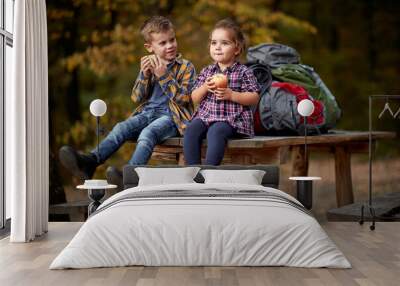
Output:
x,y
270,179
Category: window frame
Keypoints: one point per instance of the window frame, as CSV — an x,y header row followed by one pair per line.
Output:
x,y
6,39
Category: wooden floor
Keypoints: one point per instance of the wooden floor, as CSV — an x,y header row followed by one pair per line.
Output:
x,y
374,255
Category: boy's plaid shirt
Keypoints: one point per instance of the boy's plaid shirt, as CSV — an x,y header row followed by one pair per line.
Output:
x,y
177,85
240,117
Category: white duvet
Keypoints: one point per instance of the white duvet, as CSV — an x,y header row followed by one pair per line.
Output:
x,y
183,231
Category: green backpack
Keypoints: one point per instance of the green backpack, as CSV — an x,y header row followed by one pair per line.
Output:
x,y
306,77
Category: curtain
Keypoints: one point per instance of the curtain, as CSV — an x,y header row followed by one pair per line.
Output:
x,y
27,148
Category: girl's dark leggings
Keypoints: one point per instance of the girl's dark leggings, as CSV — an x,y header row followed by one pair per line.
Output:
x,y
217,135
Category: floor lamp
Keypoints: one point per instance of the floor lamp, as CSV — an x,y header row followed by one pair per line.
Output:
x,y
98,108
305,109
304,184
96,188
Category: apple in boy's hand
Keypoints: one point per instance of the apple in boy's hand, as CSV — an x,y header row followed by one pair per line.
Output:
x,y
220,80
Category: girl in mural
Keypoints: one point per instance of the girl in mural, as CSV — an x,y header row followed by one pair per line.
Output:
x,y
225,90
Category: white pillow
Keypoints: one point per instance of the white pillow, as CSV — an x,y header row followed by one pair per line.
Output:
x,y
166,176
248,177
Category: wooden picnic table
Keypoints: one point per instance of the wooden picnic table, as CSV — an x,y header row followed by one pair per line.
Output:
x,y
277,150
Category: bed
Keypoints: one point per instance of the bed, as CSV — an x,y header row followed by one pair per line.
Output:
x,y
204,222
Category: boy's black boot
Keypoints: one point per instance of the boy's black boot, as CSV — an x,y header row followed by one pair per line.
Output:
x,y
114,176
80,165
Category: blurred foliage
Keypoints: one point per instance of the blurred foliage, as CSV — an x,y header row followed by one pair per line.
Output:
x,y
111,42
95,48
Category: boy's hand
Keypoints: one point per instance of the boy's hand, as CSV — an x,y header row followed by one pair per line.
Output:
x,y
223,93
146,66
210,84
159,66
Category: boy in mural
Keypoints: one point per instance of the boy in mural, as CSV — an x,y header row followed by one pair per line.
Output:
x,y
162,90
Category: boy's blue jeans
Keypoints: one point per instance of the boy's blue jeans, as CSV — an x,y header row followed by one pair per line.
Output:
x,y
149,128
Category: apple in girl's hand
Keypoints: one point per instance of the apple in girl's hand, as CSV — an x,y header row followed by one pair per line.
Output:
x,y
220,80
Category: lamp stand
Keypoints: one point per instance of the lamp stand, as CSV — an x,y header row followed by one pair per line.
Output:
x,y
305,141
98,135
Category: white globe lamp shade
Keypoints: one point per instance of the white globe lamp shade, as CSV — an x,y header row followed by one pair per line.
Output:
x,y
305,107
98,107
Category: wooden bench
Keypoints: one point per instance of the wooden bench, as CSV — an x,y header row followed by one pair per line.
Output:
x,y
277,150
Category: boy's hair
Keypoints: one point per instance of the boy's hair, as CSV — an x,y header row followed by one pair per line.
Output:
x,y
234,28
155,24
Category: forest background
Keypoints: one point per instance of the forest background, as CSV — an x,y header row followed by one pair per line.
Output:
x,y
95,49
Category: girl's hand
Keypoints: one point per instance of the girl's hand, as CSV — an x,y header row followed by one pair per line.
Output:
x,y
210,84
223,93
160,67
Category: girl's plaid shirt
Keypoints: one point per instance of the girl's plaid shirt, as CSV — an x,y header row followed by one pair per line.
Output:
x,y
177,85
240,117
